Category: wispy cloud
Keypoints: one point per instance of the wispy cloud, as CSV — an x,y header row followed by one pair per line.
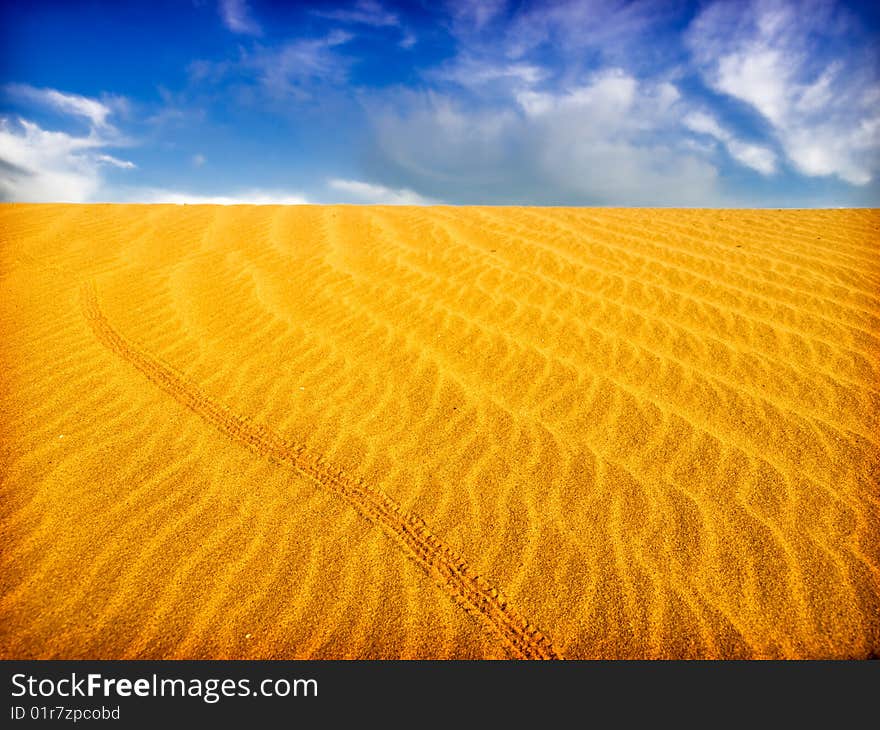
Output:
x,y
804,69
573,31
755,156
370,14
115,161
95,111
363,12
472,16
564,39
374,194
472,72
409,39
236,16
289,70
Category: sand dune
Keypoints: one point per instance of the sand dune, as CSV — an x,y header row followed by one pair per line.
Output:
x,y
288,432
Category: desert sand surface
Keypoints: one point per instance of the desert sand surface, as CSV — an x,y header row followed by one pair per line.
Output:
x,y
385,432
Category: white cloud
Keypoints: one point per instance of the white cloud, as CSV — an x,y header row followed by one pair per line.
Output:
x,y
751,155
40,165
821,105
609,94
431,140
610,140
374,194
613,140
703,123
546,112
755,156
236,16
178,197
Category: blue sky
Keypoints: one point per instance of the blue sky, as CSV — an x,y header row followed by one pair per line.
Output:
x,y
578,102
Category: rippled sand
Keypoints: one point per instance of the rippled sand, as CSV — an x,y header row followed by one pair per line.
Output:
x,y
286,432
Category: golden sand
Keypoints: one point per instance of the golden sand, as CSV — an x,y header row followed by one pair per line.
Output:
x,y
290,432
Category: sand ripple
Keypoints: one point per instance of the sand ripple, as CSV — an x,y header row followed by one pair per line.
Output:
x,y
655,430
